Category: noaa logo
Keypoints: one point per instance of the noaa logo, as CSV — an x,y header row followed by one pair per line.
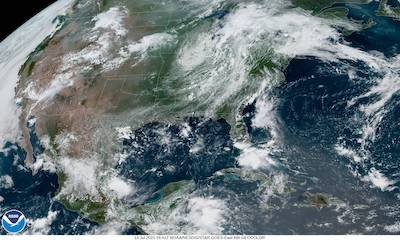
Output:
x,y
13,221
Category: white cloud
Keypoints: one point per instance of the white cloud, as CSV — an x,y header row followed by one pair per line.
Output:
x,y
120,187
112,20
394,228
141,48
253,157
124,132
207,215
43,162
197,147
110,228
41,226
6,182
379,180
14,51
256,157
343,151
197,215
81,178
102,38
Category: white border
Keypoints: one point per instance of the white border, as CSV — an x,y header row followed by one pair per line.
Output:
x,y
199,237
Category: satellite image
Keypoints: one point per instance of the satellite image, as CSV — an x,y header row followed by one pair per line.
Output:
x,y
202,117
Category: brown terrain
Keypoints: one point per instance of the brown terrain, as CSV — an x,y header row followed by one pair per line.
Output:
x,y
80,109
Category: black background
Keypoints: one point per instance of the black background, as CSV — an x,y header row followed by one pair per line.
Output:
x,y
14,13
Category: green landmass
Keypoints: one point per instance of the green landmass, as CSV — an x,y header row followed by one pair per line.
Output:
x,y
326,9
318,200
263,62
317,5
173,187
388,11
171,198
94,211
334,12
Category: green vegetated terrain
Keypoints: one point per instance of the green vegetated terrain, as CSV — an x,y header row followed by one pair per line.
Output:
x,y
324,7
317,6
386,10
330,10
95,211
